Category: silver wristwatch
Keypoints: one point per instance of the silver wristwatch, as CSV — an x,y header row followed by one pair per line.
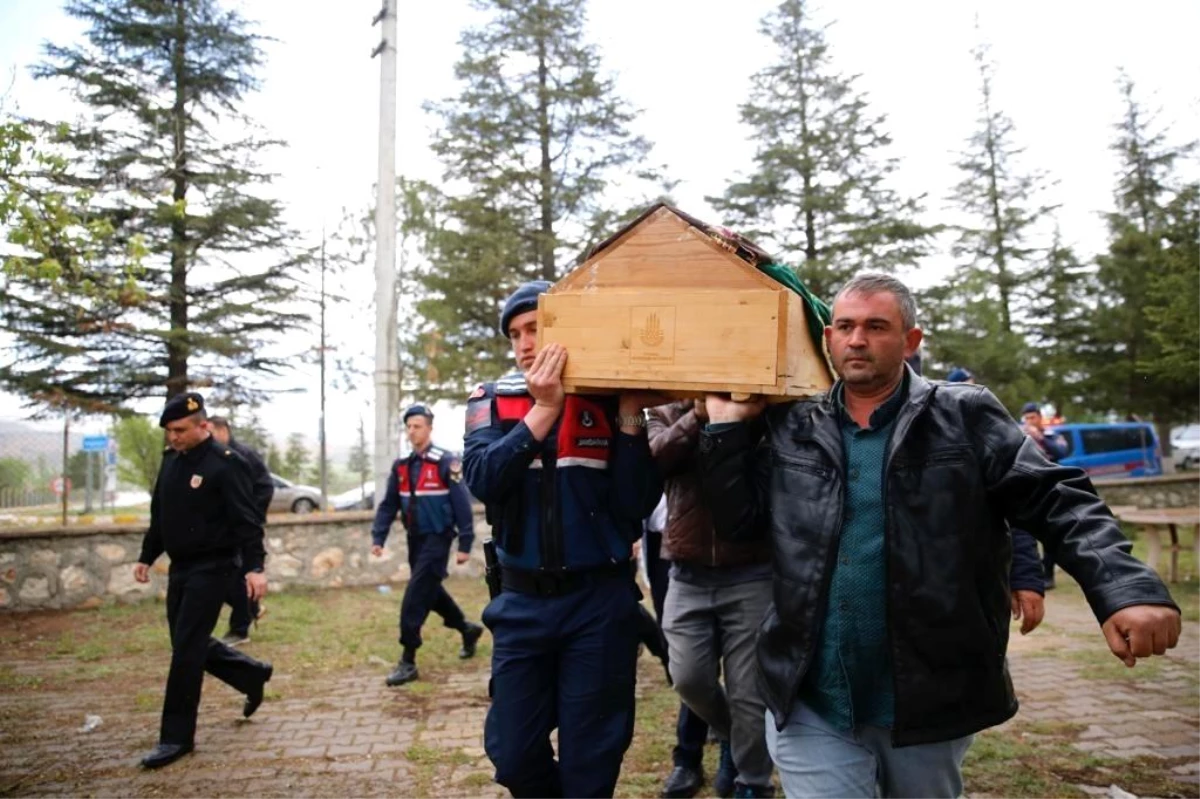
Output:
x,y
632,421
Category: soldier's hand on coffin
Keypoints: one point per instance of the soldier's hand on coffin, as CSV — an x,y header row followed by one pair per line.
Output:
x,y
701,410
722,409
544,379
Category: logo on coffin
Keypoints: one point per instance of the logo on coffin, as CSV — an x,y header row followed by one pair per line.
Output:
x,y
652,333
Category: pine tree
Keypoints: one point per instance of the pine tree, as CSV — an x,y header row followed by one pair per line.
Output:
x,y
530,147
1000,198
1058,318
161,79
1140,278
296,458
819,194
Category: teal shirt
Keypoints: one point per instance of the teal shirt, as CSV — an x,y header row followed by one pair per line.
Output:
x,y
850,680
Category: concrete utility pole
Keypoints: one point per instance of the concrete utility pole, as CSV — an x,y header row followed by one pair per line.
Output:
x,y
387,362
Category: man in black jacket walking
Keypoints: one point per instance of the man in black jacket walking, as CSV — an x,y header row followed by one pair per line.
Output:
x,y
203,516
243,609
884,651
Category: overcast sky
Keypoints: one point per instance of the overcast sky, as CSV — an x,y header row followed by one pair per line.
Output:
x,y
686,65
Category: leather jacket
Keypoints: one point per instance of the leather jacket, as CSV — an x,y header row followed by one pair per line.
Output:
x,y
957,472
674,432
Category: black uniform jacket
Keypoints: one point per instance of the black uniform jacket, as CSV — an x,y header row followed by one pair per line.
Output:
x,y
202,509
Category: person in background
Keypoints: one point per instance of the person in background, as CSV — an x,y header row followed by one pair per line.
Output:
x,y
1026,581
426,489
691,731
202,514
242,609
1054,449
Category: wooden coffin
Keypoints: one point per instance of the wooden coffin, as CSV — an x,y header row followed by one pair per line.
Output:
x,y
664,305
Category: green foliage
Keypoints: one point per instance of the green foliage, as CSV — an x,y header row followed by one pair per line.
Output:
x,y
156,81
296,459
139,450
819,194
530,147
15,474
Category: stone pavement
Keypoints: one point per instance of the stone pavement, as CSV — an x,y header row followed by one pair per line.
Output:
x,y
352,736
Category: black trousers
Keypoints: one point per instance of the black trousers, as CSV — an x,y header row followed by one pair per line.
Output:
x,y
427,559
690,730
242,610
195,593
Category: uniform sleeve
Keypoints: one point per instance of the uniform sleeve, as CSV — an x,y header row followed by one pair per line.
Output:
x,y
1026,571
1060,507
494,462
460,502
385,512
637,485
242,514
152,542
264,486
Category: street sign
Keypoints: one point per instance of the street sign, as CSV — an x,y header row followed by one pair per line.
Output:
x,y
95,443
57,484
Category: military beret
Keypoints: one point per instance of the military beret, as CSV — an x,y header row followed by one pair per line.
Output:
x,y
181,406
418,410
524,299
959,375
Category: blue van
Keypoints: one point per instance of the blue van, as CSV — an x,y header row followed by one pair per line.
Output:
x,y
1125,449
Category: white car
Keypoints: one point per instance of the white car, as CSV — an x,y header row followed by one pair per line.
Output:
x,y
1185,446
358,498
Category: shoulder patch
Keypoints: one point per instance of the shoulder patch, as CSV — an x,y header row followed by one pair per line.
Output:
x,y
479,391
456,469
434,454
479,414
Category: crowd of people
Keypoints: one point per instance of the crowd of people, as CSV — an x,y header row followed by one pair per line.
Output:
x,y
833,576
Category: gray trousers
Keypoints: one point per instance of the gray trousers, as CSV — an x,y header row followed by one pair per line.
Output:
x,y
707,627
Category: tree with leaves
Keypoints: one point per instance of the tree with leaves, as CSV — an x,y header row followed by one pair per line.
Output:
x,y
358,461
819,193
139,450
161,80
530,148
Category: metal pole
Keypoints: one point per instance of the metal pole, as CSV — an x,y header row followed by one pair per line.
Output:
x,y
66,481
87,501
386,378
321,432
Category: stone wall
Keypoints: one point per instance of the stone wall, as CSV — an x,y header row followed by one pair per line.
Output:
x,y
78,567
1168,491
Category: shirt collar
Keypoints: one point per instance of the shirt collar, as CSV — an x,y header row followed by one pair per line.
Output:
x,y
881,416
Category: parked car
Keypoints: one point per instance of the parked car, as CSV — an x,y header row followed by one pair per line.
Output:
x,y
293,498
357,498
1124,449
1185,446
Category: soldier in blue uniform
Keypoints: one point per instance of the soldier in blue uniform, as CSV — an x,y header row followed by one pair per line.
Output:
x,y
202,514
426,488
567,481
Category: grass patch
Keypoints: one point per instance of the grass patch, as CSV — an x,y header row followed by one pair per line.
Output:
x,y
148,700
11,680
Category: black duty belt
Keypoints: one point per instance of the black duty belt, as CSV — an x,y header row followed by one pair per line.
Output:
x,y
559,582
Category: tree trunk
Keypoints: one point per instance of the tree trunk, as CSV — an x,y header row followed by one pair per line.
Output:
x,y
177,344
546,239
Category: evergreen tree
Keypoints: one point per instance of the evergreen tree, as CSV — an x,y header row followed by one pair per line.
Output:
x,y
530,147
819,194
296,458
1000,199
1143,275
161,79
1058,318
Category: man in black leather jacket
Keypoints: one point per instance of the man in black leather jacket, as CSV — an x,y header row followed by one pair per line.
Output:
x,y
888,504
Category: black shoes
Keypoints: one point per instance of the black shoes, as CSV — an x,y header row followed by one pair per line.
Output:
x,y
405,672
235,639
255,697
471,634
165,755
683,783
723,782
